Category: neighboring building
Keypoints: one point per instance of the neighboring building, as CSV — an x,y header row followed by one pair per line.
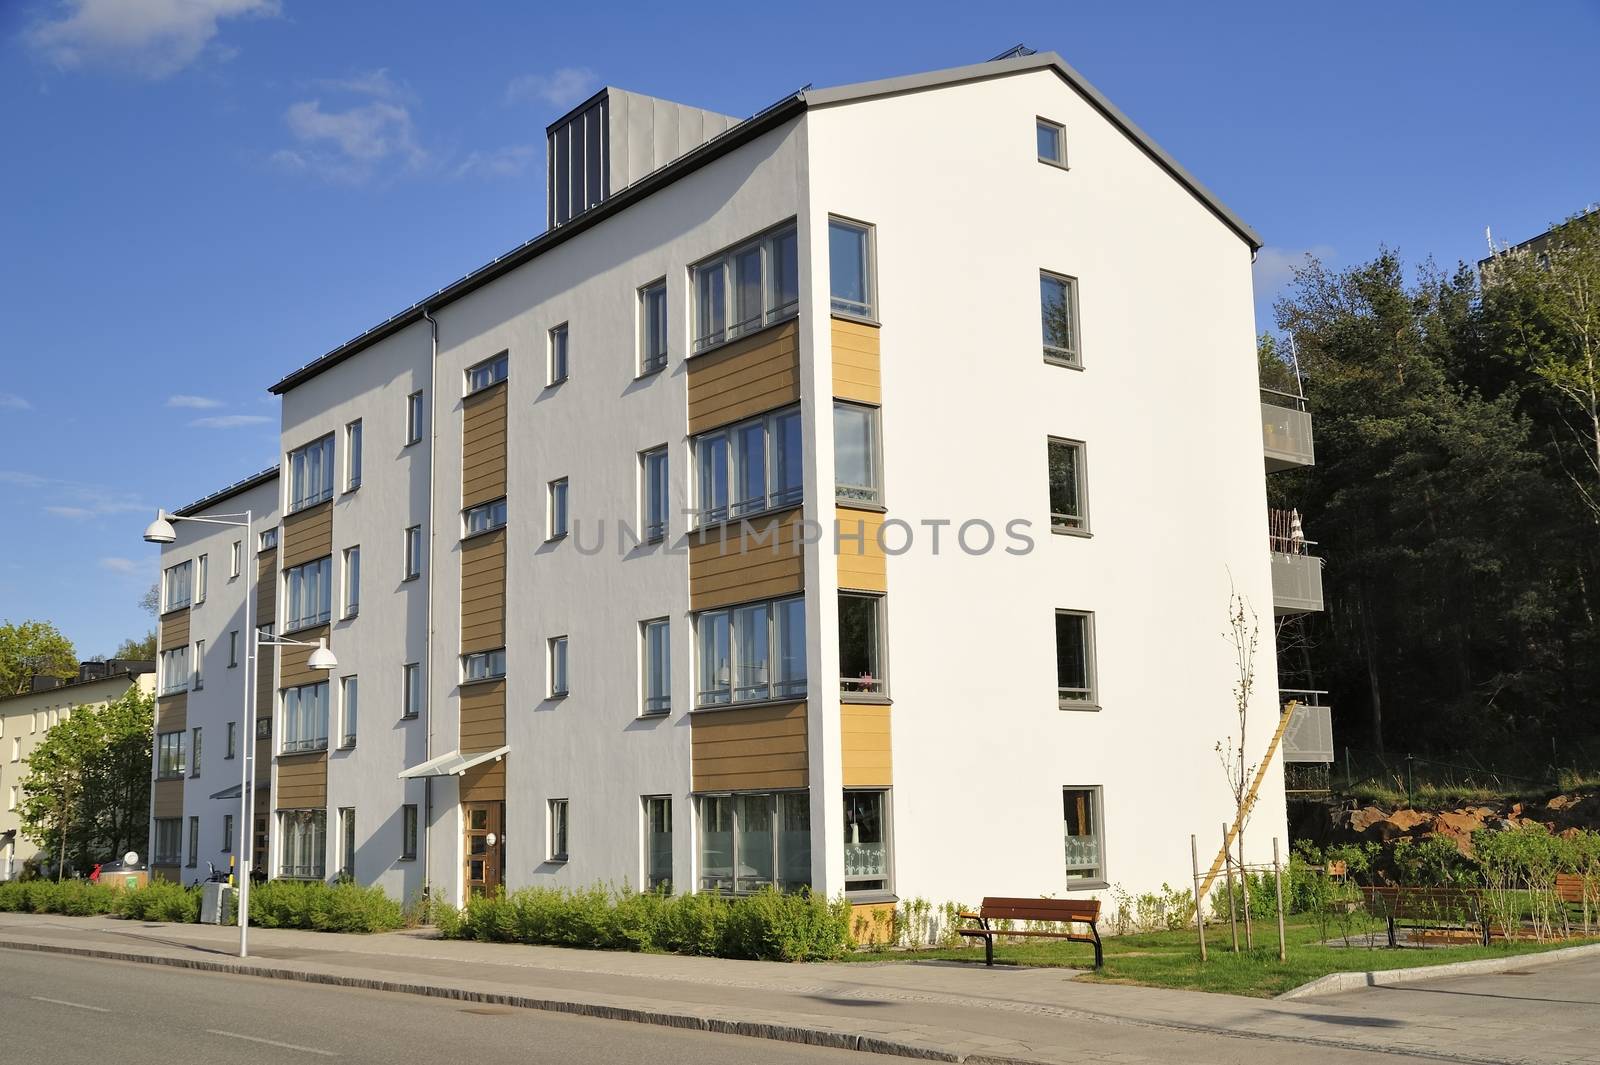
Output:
x,y
882,313
26,719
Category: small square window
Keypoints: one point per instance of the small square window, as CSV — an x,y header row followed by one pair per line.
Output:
x,y
1052,143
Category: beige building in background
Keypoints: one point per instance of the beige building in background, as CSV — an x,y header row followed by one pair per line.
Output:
x,y
26,719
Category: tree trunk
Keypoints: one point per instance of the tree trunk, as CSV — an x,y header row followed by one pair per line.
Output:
x,y
1369,653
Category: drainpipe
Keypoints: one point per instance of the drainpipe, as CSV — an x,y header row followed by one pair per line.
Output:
x,y
433,453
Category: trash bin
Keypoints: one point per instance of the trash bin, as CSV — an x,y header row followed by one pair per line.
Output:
x,y
214,897
124,876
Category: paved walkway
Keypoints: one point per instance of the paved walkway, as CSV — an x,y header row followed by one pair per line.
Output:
x,y
945,1011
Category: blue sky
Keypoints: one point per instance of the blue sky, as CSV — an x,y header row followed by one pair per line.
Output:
x,y
200,196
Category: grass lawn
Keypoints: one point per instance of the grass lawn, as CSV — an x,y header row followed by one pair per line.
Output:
x,y
1172,959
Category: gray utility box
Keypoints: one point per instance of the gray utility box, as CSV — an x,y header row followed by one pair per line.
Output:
x,y
214,902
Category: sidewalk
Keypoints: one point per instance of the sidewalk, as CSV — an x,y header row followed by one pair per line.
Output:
x,y
939,1011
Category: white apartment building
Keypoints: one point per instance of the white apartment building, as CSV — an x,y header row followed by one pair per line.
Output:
x,y
948,380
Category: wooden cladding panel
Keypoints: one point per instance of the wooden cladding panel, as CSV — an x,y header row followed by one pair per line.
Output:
x,y
302,781
175,629
483,446
172,712
483,716
760,747
856,363
166,798
266,679
484,783
308,535
861,563
746,377
768,563
267,587
864,746
483,592
872,922
295,671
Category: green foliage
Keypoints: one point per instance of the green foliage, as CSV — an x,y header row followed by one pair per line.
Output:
x,y
160,900
75,898
30,648
141,650
769,925
1166,910
324,907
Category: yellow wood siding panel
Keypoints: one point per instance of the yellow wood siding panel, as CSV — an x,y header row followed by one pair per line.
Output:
x,y
758,373
175,629
864,746
303,781
483,716
484,783
295,670
483,592
483,446
856,363
308,535
172,713
266,680
166,798
266,587
872,922
768,563
761,747
861,562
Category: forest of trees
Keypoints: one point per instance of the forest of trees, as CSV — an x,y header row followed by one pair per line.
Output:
x,y
1456,498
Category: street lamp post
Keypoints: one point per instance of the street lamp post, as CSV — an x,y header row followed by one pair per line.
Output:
x,y
160,531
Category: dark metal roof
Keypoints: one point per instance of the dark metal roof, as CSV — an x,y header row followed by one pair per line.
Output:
x,y
232,490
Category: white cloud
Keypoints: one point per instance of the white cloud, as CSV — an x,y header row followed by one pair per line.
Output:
x,y
121,565
229,421
77,500
510,161
375,83
1275,267
12,401
23,480
563,88
154,38
193,402
350,145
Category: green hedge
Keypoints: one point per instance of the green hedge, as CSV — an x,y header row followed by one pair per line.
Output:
x,y
76,898
768,926
324,907
310,905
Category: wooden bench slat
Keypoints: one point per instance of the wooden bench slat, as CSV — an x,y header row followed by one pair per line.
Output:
x,y
1066,912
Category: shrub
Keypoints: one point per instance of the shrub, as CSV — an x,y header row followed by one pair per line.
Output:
x,y
323,907
76,898
159,900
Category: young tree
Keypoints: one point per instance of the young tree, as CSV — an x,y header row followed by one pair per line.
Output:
x,y
1244,636
32,648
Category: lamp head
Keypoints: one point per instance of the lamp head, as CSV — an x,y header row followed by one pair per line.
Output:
x,y
160,530
322,658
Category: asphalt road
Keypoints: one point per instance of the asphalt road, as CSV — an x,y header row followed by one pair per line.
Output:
x,y
61,1009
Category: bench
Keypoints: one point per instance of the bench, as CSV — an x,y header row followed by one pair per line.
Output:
x,y
1068,912
1569,889
1428,907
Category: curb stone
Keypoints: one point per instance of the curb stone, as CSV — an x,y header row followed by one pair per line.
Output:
x,y
834,1038
1334,983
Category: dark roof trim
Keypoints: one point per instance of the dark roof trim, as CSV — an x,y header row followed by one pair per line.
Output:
x,y
232,490
735,136
129,675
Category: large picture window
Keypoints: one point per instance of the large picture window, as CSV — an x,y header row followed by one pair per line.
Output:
x,y
305,718
176,586
746,288
309,593
750,467
168,842
311,474
304,839
752,652
753,840
170,760
175,670
866,841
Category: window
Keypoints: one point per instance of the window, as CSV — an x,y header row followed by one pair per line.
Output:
x,y
1080,815
175,670
488,373
310,594
652,328
352,581
484,517
227,833
304,836
483,665
866,841
747,288
558,666
176,584
304,725
269,539
861,669
352,456
311,474
411,690
558,830
752,652
408,832
558,509
349,705
200,569
12,802
857,472
263,728
169,841
413,553
414,418
657,666
653,493
752,840
850,268
749,467
1075,658
233,649
232,740
1068,512
559,337
1052,139
194,752
658,843
194,841
197,677
170,761
235,559
1058,308
347,842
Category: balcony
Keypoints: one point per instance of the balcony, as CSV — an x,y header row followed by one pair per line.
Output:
x,y
1286,431
1296,572
1309,735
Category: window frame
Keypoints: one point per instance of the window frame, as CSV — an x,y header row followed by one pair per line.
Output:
x,y
227,833
415,415
287,717
652,530
494,370
268,540
551,656
655,705
298,465
558,354
724,262
1071,358
412,554
194,750
1060,131
1067,527
235,559
494,663
197,676
177,586
233,648
409,831
162,826
869,235
350,571
701,702
231,741
885,883
1090,700
194,842
776,811
649,361
558,843
347,842
171,661
855,495
349,710
878,691
202,567
410,691
321,569
560,488
496,512
352,455
316,822
1097,815
647,876
773,499
172,755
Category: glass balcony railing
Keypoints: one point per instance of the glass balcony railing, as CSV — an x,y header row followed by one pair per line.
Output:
x,y
1286,436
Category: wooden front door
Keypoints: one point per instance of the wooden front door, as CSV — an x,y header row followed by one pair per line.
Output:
x,y
485,846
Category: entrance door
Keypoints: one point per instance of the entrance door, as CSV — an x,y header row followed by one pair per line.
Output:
x,y
485,846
